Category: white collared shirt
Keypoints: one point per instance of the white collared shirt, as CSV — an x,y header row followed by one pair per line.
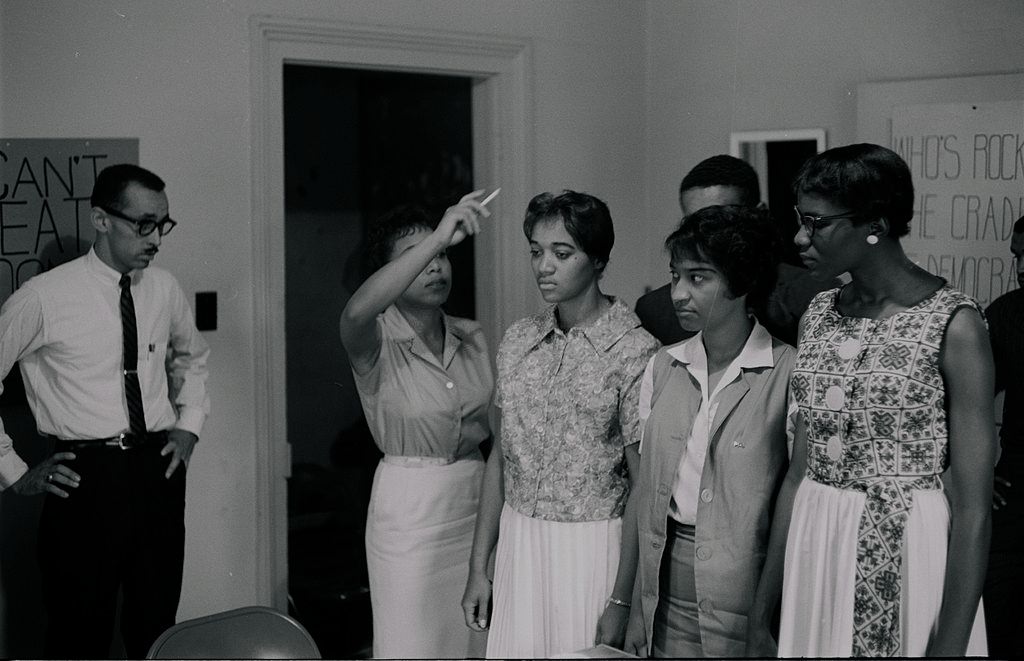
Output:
x,y
756,353
64,326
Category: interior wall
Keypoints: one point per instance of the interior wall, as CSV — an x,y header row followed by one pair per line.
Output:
x,y
717,66
176,75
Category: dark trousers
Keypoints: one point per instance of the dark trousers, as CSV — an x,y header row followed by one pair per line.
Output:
x,y
1004,582
122,528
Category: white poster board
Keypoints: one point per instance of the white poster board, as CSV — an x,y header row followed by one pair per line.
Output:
x,y
967,160
934,123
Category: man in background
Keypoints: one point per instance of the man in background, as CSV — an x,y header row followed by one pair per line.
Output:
x,y
727,180
115,374
1004,583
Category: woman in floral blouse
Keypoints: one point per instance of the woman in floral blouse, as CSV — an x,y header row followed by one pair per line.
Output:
x,y
880,536
557,481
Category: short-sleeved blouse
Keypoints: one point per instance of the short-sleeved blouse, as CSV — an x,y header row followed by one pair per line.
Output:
x,y
569,404
418,406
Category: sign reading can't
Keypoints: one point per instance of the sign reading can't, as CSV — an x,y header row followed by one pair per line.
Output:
x,y
45,185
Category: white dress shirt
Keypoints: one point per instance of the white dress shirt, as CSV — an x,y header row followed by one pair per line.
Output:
x,y
64,326
756,352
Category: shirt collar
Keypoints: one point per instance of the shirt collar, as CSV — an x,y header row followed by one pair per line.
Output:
x,y
602,333
403,332
102,270
756,352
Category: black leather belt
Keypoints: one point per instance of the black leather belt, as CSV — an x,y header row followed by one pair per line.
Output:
x,y
123,441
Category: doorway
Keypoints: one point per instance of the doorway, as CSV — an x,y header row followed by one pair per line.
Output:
x,y
503,117
357,142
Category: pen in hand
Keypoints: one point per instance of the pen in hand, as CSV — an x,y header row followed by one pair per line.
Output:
x,y
493,195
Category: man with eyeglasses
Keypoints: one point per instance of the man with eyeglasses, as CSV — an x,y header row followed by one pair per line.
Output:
x,y
1004,582
115,374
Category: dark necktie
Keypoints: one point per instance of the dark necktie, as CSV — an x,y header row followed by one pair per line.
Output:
x,y
132,389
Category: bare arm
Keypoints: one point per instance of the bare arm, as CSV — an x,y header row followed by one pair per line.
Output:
x,y
1000,485
967,370
476,600
611,628
358,326
769,588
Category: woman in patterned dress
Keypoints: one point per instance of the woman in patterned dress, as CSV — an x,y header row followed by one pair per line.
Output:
x,y
425,382
557,480
881,532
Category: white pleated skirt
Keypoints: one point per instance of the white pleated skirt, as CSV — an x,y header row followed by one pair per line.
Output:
x,y
820,573
552,581
419,534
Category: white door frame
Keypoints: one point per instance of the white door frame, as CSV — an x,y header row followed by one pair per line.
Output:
x,y
502,156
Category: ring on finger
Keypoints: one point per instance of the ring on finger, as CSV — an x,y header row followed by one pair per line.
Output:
x,y
49,477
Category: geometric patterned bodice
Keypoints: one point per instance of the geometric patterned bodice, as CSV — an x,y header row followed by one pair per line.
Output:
x,y
873,398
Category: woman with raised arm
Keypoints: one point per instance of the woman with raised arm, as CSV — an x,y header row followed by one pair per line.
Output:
x,y
880,538
714,444
425,382
557,481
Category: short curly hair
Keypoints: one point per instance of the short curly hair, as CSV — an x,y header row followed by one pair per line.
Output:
x,y
742,242
869,180
392,225
586,219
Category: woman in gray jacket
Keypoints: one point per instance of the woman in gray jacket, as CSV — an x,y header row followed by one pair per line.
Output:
x,y
713,451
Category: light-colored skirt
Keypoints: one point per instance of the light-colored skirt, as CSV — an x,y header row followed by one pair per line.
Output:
x,y
552,581
820,571
419,534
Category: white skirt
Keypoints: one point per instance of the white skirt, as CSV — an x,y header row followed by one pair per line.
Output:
x,y
419,534
552,581
820,572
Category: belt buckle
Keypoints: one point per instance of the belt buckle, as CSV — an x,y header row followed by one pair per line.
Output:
x,y
121,438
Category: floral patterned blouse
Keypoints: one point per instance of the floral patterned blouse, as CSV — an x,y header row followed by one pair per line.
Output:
x,y
569,405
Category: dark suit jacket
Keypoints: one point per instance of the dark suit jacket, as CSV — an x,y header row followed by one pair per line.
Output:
x,y
658,317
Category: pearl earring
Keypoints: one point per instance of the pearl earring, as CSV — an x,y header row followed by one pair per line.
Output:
x,y
872,239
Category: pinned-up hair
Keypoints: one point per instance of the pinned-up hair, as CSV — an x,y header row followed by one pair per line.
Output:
x,y
868,180
391,226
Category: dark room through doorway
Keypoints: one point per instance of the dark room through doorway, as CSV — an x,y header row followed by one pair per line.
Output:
x,y
357,142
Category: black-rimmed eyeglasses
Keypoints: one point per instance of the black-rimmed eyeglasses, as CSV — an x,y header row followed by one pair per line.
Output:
x,y
812,223
145,227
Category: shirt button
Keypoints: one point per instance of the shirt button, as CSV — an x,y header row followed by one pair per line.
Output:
x,y
835,398
703,553
834,448
706,606
449,385
849,348
663,490
655,544
706,495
